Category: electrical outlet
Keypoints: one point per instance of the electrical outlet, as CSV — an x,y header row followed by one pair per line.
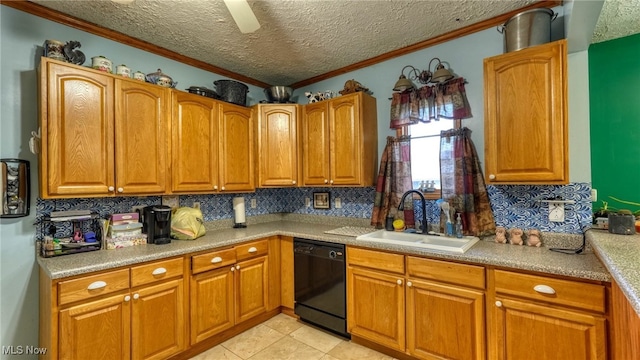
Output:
x,y
556,211
254,203
338,203
196,205
171,201
594,195
307,202
136,207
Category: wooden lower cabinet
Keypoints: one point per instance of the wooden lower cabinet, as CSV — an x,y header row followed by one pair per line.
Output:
x,y
530,331
444,321
230,294
375,307
98,329
158,321
625,332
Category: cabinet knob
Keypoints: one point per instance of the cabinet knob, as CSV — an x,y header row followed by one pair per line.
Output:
x,y
499,303
159,271
399,282
136,296
127,298
326,181
96,285
120,189
293,182
111,188
233,268
222,188
215,187
492,177
544,289
237,267
409,284
331,182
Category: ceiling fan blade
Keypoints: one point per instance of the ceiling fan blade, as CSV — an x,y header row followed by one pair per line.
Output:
x,y
243,15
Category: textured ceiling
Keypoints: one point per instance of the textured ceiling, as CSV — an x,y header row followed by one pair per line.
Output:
x,y
618,18
301,39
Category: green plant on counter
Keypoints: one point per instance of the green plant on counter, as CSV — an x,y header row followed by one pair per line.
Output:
x,y
606,209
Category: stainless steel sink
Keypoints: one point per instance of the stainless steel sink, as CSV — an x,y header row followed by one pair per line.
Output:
x,y
434,242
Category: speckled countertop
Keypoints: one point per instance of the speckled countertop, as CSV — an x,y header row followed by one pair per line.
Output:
x,y
585,266
620,254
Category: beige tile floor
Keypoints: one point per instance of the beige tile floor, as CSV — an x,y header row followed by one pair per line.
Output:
x,y
283,337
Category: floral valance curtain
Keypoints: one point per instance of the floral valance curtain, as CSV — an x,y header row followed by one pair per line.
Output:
x,y
435,102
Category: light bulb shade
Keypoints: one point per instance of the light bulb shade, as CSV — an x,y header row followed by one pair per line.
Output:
x,y
403,84
441,74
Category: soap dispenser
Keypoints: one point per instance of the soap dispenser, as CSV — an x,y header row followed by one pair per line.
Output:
x,y
458,227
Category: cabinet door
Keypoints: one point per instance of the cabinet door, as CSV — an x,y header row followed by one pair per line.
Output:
x,y
345,147
444,321
141,121
211,303
277,145
96,330
158,321
526,116
194,143
375,307
315,145
236,148
252,288
528,331
77,130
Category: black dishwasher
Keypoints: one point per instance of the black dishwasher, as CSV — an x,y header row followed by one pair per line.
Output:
x,y
320,284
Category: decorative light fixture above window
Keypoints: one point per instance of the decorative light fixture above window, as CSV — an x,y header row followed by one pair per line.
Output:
x,y
440,75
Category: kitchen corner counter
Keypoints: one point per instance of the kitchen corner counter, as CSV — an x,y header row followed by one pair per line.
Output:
x,y
620,254
584,266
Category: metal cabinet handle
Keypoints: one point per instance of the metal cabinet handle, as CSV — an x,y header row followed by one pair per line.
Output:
x,y
127,298
253,249
216,260
399,282
492,177
136,296
499,303
409,284
544,289
120,189
159,271
111,188
96,285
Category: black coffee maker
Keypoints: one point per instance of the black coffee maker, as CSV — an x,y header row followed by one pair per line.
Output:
x,y
156,223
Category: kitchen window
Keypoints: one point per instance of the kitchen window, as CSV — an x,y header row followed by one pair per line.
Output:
x,y
425,153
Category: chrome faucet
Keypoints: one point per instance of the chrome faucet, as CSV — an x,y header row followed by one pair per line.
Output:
x,y
425,224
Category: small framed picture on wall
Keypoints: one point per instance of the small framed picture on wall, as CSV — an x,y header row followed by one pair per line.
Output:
x,y
321,200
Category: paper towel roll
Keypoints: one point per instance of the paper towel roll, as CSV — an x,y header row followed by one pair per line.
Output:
x,y
238,210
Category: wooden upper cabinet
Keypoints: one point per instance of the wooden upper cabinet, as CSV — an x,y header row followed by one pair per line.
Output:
x,y
315,144
194,143
526,116
236,148
277,150
77,152
339,141
141,121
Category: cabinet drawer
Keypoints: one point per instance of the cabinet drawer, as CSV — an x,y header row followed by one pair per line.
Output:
x,y
156,271
557,291
376,260
460,274
252,249
91,286
213,260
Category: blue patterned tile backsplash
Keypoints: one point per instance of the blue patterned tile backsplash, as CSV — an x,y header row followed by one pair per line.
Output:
x,y
513,205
